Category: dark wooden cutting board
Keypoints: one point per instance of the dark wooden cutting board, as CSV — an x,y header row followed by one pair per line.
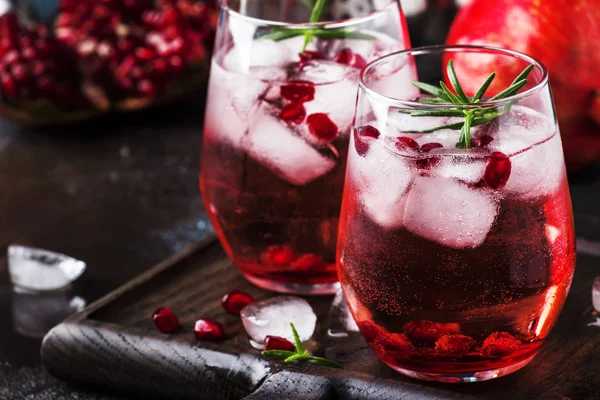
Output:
x,y
113,344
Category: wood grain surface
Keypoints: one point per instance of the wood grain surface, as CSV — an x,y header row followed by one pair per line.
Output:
x,y
113,344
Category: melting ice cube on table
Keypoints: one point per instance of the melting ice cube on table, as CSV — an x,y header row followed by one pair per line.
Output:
x,y
34,269
273,317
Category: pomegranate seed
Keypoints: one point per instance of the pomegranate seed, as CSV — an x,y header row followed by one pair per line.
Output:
x,y
348,57
430,146
144,54
298,91
499,344
454,344
310,55
126,65
146,88
19,72
362,145
9,89
497,170
11,57
233,302
165,320
29,53
429,332
105,50
86,48
278,343
309,262
405,143
278,255
293,113
208,329
176,63
321,126
160,67
483,141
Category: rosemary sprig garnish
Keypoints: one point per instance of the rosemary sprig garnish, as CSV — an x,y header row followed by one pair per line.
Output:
x,y
469,108
315,16
300,354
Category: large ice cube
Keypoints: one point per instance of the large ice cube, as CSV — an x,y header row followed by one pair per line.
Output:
x,y
538,167
463,168
273,317
34,269
274,144
382,178
449,212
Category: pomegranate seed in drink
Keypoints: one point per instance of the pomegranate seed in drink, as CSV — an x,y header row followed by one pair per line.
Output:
x,y
165,320
427,147
361,138
497,170
428,331
298,91
208,329
278,343
500,344
321,126
348,57
234,301
482,141
278,255
404,143
455,344
309,262
293,113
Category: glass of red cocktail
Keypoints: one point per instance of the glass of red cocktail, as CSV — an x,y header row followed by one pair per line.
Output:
x,y
456,243
278,118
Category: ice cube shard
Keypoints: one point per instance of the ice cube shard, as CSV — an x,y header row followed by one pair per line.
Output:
x,y
273,317
37,270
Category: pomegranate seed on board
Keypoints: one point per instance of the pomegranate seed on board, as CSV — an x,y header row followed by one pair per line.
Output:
x,y
298,91
208,329
497,170
360,138
165,320
293,113
321,126
234,301
405,143
278,343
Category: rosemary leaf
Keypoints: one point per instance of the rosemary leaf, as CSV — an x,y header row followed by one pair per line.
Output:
x,y
449,94
481,91
460,93
278,353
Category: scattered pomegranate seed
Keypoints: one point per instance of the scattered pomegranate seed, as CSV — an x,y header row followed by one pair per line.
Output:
x,y
234,301
499,344
348,57
482,141
311,55
309,262
165,320
147,88
428,331
298,91
278,343
454,344
405,143
497,170
293,113
278,255
363,132
427,147
208,329
321,126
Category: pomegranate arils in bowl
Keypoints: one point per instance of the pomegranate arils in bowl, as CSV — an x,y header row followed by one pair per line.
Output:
x,y
165,320
234,301
278,343
208,329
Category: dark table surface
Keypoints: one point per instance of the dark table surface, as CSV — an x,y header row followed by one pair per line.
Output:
x,y
121,194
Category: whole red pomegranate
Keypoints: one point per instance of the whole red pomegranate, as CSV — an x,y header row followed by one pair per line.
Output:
x,y
565,36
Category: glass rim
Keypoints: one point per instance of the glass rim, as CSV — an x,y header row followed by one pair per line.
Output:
x,y
454,48
332,24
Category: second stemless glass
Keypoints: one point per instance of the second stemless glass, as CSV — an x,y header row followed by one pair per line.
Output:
x,y
455,260
277,125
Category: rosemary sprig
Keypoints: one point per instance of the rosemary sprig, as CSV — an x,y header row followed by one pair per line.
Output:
x,y
474,114
316,14
300,354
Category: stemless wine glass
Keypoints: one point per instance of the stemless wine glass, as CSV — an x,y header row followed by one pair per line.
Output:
x,y
278,117
456,246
